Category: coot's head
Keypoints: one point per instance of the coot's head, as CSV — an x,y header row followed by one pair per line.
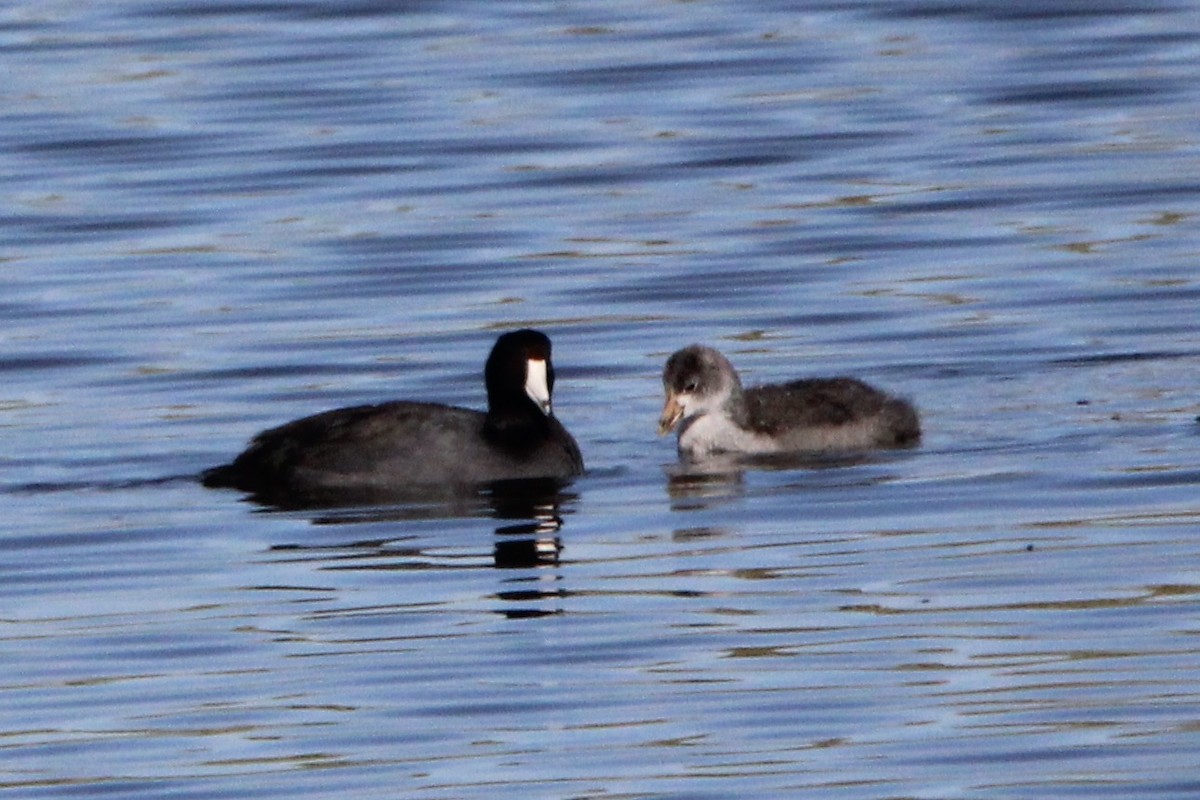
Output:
x,y
697,380
519,372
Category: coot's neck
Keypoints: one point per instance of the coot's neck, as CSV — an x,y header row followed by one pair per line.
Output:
x,y
515,423
735,405
515,384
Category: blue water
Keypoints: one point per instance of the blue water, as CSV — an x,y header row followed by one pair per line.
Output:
x,y
218,217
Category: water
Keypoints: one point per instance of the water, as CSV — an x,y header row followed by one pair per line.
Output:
x,y
220,217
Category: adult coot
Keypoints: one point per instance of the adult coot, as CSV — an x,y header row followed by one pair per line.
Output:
x,y
714,414
412,448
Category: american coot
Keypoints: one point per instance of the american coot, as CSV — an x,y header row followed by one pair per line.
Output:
x,y
705,399
406,448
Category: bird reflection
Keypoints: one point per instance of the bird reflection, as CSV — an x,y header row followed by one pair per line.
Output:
x,y
697,485
534,540
527,517
720,477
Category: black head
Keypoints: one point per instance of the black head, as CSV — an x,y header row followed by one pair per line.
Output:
x,y
519,373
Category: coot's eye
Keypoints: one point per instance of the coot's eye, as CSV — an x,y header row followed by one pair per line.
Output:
x,y
690,387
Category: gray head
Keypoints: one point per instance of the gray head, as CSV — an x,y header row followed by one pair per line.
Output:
x,y
697,380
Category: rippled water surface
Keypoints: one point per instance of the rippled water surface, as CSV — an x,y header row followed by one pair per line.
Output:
x,y
217,217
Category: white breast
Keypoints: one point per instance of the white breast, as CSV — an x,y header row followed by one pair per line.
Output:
x,y
716,433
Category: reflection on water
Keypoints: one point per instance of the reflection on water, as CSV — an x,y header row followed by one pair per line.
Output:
x,y
721,477
530,513
699,486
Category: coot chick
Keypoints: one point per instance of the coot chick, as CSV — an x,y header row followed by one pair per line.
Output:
x,y
714,414
405,448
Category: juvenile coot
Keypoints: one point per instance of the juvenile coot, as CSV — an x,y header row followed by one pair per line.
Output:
x,y
407,447
705,399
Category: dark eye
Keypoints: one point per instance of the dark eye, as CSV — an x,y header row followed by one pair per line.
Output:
x,y
690,387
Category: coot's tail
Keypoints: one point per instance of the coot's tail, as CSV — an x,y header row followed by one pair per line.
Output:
x,y
225,476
